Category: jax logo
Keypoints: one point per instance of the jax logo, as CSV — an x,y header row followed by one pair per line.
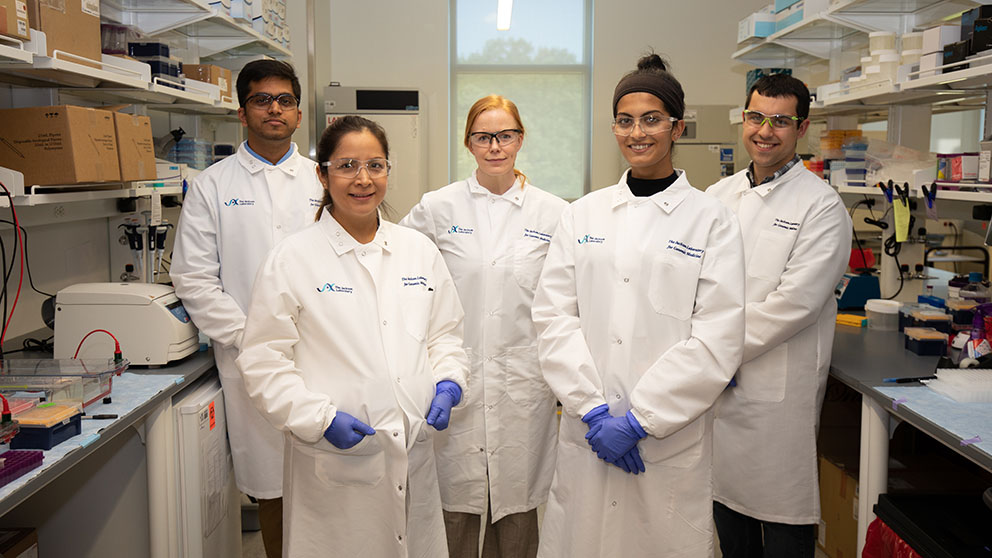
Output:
x,y
331,287
590,239
237,202
455,229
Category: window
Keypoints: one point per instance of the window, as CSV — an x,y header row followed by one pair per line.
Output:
x,y
542,64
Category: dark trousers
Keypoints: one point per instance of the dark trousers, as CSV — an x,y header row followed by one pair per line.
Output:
x,y
746,537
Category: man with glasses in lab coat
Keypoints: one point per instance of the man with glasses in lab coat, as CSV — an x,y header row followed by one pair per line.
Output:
x,y
234,213
797,239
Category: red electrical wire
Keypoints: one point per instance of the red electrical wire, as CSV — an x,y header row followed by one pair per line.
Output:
x,y
117,345
20,280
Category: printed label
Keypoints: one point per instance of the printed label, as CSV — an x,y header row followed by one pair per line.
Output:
x,y
683,248
787,225
531,233
213,416
91,7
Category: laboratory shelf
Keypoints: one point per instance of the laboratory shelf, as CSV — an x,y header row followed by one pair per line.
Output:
x,y
43,195
899,16
14,51
214,33
768,54
68,70
818,36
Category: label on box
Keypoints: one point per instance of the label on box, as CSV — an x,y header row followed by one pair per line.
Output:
x,y
22,27
22,9
213,416
222,83
91,7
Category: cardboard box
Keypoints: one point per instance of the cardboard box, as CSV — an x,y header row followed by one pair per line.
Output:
x,y
19,543
135,147
69,25
58,145
935,38
208,73
14,20
758,24
838,529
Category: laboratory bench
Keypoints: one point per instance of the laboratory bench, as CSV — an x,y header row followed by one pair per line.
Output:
x,y
113,478
861,359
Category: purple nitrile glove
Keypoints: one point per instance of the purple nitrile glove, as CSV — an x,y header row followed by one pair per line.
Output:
x,y
345,431
446,396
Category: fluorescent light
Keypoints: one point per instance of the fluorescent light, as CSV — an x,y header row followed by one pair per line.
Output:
x,y
503,10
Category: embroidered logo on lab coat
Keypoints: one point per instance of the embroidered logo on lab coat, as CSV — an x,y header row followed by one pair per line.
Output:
x,y
683,248
334,288
787,225
413,281
590,239
531,233
236,202
314,202
455,229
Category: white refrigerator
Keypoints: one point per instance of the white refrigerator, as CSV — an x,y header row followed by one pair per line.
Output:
x,y
208,512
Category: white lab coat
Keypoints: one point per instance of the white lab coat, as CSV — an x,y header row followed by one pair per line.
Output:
x,y
368,329
234,212
494,247
640,306
797,241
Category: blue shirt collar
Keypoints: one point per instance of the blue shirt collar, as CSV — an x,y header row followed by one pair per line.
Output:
x,y
288,154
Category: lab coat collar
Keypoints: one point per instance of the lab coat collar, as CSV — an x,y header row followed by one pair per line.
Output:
x,y
767,188
667,200
514,195
290,164
342,242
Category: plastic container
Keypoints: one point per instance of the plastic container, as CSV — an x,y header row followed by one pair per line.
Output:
x,y
911,56
889,66
883,40
45,427
976,290
911,41
926,341
18,462
934,319
883,315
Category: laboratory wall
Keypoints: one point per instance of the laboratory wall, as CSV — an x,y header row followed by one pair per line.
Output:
x,y
405,44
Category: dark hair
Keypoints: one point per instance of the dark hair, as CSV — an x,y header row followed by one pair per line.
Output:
x,y
261,69
782,85
652,76
332,136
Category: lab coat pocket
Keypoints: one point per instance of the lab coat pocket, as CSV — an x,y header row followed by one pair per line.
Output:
x,y
763,378
681,449
672,288
770,254
522,372
528,260
361,465
416,307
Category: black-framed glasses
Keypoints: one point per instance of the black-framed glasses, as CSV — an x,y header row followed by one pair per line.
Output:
x,y
264,100
349,168
654,123
502,137
780,121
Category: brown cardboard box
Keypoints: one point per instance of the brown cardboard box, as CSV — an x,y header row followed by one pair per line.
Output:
x,y
838,531
208,73
69,25
135,147
63,144
18,543
14,19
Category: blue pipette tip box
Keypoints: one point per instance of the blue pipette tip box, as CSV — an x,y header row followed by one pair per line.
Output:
x,y
44,428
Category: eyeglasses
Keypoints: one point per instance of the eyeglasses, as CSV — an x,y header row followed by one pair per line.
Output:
x,y
502,137
264,100
780,121
349,168
650,124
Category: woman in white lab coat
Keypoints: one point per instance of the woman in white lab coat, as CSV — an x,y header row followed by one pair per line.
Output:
x,y
640,319
493,230
353,347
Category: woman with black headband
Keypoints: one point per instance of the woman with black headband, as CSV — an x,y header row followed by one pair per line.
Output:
x,y
640,319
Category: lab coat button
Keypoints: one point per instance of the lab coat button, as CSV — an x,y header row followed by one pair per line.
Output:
x,y
400,488
618,396
340,243
399,538
397,380
619,341
626,279
279,227
337,233
493,263
363,252
396,434
614,503
492,200
383,322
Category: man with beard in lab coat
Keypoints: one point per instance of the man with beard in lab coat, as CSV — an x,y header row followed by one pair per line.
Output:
x,y
234,213
797,239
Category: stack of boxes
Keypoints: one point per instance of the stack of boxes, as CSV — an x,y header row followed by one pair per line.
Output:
x,y
758,25
157,56
194,152
791,12
14,19
272,21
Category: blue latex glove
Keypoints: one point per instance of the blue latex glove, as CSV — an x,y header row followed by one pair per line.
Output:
x,y
631,461
615,436
345,431
446,396
597,415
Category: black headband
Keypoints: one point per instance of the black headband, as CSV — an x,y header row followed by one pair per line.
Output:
x,y
656,83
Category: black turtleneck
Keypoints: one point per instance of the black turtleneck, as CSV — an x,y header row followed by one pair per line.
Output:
x,y
644,187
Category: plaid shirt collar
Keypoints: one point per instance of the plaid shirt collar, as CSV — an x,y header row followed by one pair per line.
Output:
x,y
785,168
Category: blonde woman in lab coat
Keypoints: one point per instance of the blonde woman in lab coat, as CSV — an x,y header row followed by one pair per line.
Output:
x,y
353,348
494,229
640,320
